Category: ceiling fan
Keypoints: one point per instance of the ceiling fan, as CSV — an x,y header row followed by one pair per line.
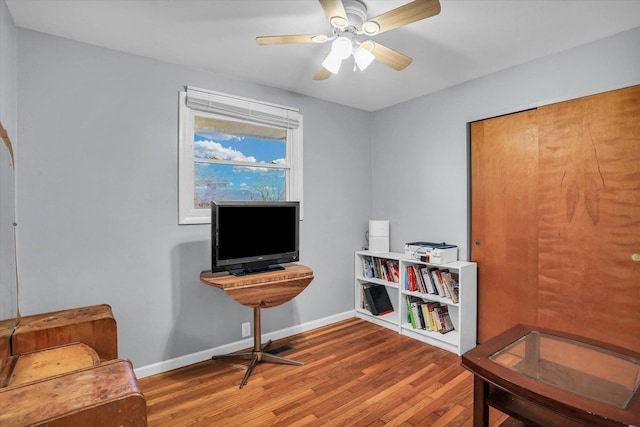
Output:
x,y
349,21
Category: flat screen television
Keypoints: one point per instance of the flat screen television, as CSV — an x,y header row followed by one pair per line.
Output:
x,y
253,236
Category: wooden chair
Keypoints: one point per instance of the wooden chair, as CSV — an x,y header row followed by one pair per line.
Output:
x,y
55,377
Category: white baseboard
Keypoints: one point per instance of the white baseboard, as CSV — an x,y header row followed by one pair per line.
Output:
x,y
201,356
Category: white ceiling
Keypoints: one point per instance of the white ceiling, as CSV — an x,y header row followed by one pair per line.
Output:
x,y
468,39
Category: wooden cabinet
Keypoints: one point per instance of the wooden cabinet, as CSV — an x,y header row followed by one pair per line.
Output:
x,y
461,313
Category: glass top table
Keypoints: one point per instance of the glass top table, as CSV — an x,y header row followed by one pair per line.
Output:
x,y
581,369
552,378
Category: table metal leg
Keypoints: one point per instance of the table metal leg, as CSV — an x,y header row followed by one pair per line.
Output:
x,y
259,352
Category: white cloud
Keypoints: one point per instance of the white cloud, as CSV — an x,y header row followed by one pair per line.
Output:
x,y
213,135
212,149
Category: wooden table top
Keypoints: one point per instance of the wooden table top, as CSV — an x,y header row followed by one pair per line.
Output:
x,y
262,290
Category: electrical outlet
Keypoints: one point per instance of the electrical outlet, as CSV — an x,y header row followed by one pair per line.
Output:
x,y
246,330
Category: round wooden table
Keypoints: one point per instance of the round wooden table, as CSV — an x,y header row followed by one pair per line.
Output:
x,y
261,290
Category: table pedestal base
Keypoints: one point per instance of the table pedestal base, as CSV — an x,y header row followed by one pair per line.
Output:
x,y
259,353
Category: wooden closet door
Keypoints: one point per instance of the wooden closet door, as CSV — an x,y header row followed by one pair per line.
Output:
x,y
504,161
589,217
556,213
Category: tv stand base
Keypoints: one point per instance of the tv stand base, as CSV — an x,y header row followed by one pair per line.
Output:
x,y
259,352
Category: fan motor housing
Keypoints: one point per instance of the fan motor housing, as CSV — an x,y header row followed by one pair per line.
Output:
x,y
356,12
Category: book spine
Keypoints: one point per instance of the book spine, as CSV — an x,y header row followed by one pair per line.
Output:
x,y
410,317
424,271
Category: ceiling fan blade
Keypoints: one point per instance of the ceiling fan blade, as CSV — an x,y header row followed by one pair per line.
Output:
x,y
322,74
389,57
403,15
298,38
334,9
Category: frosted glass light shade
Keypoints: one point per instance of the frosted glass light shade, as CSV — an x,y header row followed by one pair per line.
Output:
x,y
332,62
342,47
363,57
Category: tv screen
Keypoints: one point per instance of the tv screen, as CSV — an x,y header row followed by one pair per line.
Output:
x,y
253,236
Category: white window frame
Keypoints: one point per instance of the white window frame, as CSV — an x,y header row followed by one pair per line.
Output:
x,y
199,101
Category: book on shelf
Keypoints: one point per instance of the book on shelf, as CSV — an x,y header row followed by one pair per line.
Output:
x,y
432,309
444,320
415,282
427,310
411,283
419,279
374,267
367,271
394,269
439,281
428,315
432,281
453,287
412,317
377,300
417,314
421,320
380,268
428,281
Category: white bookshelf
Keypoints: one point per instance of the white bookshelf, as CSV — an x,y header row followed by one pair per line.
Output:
x,y
390,320
463,313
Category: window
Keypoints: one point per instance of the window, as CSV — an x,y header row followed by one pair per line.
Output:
x,y
235,148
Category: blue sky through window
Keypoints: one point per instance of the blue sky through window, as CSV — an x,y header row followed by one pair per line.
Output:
x,y
245,144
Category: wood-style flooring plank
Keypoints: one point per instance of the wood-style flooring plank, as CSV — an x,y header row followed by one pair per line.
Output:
x,y
354,374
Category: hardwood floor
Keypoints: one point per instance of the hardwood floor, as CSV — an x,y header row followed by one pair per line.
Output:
x,y
355,374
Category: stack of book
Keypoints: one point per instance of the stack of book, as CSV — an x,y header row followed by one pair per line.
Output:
x,y
380,268
441,282
430,316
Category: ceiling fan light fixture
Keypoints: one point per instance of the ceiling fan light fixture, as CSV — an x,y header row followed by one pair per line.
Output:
x,y
370,28
368,45
339,22
332,62
363,57
319,38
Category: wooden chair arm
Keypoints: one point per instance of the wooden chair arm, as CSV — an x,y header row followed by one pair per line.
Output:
x,y
103,395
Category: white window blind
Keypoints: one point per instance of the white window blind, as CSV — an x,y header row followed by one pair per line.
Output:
x,y
242,108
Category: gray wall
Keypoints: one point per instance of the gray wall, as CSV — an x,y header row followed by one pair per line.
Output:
x,y
98,199
424,176
98,192
8,117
